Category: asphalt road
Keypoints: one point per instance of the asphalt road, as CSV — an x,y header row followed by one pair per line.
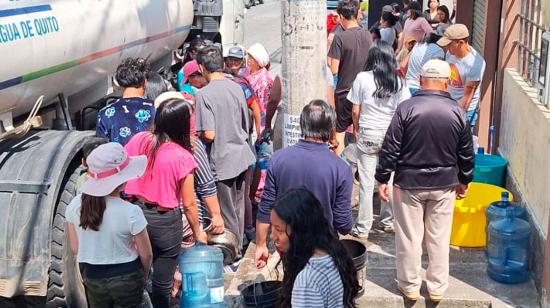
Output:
x,y
263,25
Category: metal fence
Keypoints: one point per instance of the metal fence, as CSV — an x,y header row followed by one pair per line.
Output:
x,y
530,42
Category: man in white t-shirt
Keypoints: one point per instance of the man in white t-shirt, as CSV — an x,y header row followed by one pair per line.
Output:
x,y
467,68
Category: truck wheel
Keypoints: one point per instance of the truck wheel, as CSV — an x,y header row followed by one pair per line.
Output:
x,y
65,288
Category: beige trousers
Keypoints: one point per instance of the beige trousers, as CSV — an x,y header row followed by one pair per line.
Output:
x,y
423,215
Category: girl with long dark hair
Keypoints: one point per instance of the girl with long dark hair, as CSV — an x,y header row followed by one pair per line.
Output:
x,y
444,19
318,272
107,234
167,182
375,94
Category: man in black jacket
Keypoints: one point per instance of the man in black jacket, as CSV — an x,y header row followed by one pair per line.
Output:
x,y
429,146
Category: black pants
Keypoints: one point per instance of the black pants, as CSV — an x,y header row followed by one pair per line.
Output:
x,y
166,234
231,198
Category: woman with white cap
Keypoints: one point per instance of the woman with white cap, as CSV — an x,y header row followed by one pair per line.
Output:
x,y
107,234
168,182
261,82
259,79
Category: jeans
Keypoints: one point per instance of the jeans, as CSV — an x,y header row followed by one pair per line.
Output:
x,y
166,234
367,159
386,210
471,116
121,291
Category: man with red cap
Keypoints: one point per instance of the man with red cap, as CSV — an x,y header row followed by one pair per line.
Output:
x,y
193,79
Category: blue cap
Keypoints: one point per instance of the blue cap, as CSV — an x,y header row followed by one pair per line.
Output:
x,y
236,52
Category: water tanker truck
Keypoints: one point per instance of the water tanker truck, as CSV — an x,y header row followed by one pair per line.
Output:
x,y
59,57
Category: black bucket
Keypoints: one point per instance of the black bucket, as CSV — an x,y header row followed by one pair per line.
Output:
x,y
358,253
262,294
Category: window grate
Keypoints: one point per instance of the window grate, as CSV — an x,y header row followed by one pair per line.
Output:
x,y
530,42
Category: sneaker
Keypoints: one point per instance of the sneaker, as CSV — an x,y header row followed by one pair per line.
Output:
x,y
386,229
436,298
412,296
358,234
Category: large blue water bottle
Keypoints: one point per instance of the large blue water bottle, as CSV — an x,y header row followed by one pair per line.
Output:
x,y
508,249
201,268
498,209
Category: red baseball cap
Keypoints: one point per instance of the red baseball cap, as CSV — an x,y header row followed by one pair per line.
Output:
x,y
189,69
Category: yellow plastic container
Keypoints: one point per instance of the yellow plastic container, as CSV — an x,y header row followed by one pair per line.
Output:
x,y
469,221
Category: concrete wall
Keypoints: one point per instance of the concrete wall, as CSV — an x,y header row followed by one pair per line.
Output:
x,y
525,142
546,12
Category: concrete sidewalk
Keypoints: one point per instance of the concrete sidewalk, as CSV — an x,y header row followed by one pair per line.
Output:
x,y
469,284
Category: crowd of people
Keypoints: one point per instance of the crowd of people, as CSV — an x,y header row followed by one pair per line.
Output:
x,y
168,167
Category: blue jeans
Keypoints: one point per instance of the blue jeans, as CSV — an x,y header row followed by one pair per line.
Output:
x,y
471,116
367,159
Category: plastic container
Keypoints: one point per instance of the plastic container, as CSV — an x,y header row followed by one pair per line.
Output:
x,y
508,249
469,220
349,155
201,268
262,294
498,209
358,253
489,169
228,243
264,150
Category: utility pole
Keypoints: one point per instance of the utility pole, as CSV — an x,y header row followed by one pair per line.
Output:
x,y
304,61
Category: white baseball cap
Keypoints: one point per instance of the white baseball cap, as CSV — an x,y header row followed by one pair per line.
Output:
x,y
109,166
436,68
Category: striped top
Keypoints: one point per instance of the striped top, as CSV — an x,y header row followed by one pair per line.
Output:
x,y
318,285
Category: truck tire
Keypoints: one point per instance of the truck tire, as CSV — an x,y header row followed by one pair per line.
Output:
x,y
65,288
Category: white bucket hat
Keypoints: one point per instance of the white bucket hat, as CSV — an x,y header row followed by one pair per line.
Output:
x,y
109,166
259,53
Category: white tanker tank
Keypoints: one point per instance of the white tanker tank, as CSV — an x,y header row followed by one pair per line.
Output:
x,y
71,48
52,47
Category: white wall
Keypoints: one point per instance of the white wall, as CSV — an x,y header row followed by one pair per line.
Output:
x,y
525,142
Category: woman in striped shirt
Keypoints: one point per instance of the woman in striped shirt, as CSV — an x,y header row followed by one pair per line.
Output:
x,y
318,272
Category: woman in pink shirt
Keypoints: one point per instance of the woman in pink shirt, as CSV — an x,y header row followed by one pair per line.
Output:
x,y
416,26
167,182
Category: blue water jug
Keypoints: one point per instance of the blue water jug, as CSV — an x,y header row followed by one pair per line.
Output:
x,y
201,268
498,209
508,249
